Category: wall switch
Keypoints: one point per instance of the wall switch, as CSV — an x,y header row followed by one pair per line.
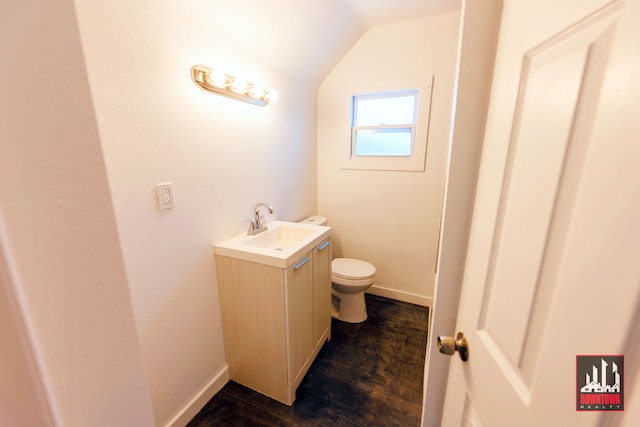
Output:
x,y
164,193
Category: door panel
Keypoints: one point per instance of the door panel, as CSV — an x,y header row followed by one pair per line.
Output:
x,y
552,78
552,268
469,416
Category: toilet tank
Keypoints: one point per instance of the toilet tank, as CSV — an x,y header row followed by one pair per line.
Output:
x,y
315,220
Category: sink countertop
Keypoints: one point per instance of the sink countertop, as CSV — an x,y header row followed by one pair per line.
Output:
x,y
282,256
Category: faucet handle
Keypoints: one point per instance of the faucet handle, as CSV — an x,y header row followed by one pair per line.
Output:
x,y
258,223
262,222
252,225
252,228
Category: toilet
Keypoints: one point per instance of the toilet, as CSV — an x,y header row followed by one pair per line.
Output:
x,y
350,278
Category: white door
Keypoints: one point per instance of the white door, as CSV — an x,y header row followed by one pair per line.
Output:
x,y
553,266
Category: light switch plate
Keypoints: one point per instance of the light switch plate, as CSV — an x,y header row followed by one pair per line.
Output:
x,y
164,194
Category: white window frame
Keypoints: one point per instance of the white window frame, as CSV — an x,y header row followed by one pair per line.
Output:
x,y
384,95
414,162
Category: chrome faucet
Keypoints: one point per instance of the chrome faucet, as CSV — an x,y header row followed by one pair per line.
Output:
x,y
258,224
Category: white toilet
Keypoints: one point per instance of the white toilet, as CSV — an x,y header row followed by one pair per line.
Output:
x,y
349,279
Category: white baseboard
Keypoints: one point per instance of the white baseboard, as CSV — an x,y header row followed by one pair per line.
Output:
x,y
401,296
197,403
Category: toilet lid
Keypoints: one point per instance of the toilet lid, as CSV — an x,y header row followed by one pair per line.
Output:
x,y
352,268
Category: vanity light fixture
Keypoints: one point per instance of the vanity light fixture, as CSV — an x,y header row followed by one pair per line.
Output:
x,y
226,85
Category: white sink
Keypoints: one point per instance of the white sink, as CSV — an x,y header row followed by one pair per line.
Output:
x,y
280,246
280,238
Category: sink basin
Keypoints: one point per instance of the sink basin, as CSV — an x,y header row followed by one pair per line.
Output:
x,y
280,246
280,238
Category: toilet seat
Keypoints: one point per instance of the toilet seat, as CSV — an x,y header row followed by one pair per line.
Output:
x,y
348,269
355,283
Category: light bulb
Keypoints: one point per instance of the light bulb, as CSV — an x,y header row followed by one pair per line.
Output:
x,y
217,78
271,95
239,86
256,92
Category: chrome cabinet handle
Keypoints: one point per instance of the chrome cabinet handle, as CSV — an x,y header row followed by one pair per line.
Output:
x,y
447,345
301,263
324,245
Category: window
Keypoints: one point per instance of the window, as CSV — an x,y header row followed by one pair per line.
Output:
x,y
383,124
389,129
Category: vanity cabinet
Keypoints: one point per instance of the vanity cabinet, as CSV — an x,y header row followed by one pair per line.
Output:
x,y
275,320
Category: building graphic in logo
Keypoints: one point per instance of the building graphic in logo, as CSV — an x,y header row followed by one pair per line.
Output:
x,y
600,383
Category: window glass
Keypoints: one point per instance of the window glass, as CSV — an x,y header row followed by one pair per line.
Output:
x,y
384,124
383,142
387,110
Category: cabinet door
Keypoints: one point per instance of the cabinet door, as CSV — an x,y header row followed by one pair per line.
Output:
x,y
299,314
321,291
252,302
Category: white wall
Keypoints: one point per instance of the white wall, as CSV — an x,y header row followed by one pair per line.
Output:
x,y
62,270
222,156
390,219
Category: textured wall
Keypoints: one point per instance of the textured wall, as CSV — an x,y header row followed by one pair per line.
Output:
x,y
59,236
222,156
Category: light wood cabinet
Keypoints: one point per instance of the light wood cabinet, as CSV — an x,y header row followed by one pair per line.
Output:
x,y
275,320
322,291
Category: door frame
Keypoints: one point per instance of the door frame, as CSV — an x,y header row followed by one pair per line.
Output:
x,y
478,38
18,360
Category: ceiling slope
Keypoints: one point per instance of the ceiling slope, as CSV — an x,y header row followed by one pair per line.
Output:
x,y
305,38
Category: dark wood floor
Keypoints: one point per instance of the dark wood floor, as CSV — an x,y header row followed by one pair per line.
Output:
x,y
369,374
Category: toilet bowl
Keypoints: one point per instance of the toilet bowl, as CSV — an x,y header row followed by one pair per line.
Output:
x,y
349,279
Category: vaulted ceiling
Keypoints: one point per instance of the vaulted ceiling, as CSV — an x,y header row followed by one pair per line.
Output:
x,y
307,37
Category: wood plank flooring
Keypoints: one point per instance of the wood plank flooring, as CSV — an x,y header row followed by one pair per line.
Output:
x,y
369,374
